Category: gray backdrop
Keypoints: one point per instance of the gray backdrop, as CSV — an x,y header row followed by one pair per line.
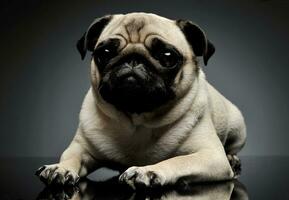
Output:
x,y
43,80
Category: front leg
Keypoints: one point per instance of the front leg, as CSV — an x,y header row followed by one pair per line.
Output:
x,y
197,167
74,163
207,162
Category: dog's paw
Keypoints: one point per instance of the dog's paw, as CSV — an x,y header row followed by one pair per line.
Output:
x,y
142,177
57,174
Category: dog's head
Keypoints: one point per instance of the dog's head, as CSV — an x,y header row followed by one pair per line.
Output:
x,y
142,61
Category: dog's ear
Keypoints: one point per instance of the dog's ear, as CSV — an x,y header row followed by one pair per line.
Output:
x,y
90,37
197,39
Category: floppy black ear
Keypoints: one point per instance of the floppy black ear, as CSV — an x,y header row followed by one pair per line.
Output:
x,y
90,37
197,39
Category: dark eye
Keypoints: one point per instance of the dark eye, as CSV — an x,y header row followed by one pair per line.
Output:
x,y
165,53
105,52
103,55
168,58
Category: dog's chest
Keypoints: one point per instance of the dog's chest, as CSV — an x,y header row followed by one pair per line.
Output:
x,y
141,147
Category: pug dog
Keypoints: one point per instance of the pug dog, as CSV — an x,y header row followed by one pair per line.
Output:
x,y
150,112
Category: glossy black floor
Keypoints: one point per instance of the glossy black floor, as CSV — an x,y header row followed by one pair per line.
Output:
x,y
261,178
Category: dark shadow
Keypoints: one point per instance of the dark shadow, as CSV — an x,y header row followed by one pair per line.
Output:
x,y
111,189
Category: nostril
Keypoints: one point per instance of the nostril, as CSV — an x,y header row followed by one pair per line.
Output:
x,y
140,71
127,65
133,63
139,67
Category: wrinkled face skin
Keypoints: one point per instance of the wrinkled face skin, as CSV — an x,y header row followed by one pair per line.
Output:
x,y
139,80
140,61
137,65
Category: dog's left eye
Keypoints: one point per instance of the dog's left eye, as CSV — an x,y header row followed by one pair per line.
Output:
x,y
165,53
168,58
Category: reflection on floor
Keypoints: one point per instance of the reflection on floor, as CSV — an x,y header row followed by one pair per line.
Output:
x,y
111,189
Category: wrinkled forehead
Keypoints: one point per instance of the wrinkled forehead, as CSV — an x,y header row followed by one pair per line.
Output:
x,y
138,27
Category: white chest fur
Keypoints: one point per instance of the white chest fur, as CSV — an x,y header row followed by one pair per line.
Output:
x,y
139,145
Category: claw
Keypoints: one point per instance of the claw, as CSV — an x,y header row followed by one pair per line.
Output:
x,y
68,177
154,179
140,178
77,178
55,174
70,180
53,178
39,170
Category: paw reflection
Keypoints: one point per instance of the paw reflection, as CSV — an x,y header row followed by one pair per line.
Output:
x,y
59,193
111,189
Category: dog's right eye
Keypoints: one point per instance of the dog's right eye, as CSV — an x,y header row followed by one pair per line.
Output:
x,y
103,55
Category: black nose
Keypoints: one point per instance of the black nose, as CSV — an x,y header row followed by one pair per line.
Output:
x,y
133,63
132,66
135,70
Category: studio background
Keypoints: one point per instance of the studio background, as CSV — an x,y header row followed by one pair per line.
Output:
x,y
43,80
